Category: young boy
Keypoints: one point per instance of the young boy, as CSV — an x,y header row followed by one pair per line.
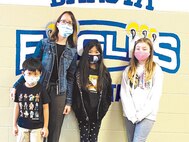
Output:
x,y
31,110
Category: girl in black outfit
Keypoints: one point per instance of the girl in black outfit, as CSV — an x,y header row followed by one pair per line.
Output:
x,y
92,93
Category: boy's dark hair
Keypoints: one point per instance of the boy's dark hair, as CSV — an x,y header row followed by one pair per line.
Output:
x,y
32,64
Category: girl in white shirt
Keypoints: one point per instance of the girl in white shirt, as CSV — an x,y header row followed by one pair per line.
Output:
x,y
141,88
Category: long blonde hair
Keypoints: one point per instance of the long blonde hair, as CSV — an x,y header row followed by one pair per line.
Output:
x,y
149,64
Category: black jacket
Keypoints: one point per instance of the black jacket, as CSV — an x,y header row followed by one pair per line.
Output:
x,y
103,103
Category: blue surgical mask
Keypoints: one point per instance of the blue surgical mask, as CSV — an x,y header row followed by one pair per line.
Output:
x,y
65,30
94,58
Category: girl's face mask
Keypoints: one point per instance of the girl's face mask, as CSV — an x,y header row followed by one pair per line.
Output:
x,y
141,55
65,30
93,59
142,51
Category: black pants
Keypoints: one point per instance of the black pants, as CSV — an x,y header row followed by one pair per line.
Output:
x,y
89,131
56,116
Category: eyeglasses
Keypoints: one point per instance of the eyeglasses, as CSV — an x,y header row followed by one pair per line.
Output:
x,y
64,22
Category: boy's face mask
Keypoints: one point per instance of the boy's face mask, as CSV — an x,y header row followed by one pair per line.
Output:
x,y
93,59
31,80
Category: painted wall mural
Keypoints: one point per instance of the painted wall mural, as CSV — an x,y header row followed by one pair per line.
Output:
x,y
166,45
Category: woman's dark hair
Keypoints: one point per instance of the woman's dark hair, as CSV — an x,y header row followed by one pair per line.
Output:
x,y
84,66
32,64
72,39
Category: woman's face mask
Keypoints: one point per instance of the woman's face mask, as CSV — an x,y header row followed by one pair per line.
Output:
x,y
65,30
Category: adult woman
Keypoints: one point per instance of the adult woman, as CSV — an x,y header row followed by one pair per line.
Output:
x,y
140,91
58,56
92,93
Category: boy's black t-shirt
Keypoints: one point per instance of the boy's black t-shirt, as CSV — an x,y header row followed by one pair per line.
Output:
x,y
31,102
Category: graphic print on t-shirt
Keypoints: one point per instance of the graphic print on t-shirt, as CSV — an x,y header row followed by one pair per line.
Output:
x,y
134,81
29,106
139,81
92,86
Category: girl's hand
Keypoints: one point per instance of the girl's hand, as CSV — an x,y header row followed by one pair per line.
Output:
x,y
67,109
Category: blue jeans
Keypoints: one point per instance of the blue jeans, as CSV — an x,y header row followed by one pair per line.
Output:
x,y
138,132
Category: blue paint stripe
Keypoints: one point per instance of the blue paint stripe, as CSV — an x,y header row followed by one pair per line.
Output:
x,y
114,69
102,22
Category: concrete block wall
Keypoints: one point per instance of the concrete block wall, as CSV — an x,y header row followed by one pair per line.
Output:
x,y
172,122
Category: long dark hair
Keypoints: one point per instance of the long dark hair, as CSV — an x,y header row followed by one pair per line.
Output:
x,y
84,66
72,39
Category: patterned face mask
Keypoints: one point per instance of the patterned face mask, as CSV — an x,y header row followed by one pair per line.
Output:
x,y
94,58
65,30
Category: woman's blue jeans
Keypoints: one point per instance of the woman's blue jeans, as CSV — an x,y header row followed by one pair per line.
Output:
x,y
138,132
